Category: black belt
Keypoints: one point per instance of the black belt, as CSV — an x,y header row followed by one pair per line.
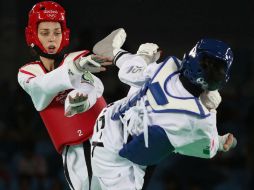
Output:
x,y
94,144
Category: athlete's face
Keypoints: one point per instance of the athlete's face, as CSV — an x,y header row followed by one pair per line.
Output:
x,y
215,72
50,36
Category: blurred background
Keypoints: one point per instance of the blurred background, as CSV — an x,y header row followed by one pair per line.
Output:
x,y
27,157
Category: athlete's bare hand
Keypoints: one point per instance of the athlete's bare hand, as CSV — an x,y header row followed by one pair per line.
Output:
x,y
229,143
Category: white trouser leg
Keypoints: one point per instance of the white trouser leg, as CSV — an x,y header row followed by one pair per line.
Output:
x,y
75,168
95,184
121,183
115,172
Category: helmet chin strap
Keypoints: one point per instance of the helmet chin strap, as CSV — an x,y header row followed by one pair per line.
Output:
x,y
55,56
194,89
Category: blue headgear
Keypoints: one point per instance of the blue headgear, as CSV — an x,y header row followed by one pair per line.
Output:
x,y
216,49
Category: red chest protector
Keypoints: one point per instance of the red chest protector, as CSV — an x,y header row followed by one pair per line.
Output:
x,y
69,130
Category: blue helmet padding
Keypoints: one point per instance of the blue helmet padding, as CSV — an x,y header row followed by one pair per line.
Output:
x,y
191,67
159,147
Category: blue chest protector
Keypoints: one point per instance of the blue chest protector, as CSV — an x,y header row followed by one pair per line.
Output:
x,y
161,101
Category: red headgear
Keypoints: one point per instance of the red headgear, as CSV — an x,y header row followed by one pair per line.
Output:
x,y
46,11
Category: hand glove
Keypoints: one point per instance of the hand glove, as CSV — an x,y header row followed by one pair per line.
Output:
x,y
227,142
211,99
91,63
110,45
149,52
76,103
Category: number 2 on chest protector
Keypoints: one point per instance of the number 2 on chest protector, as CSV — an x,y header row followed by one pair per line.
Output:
x,y
80,132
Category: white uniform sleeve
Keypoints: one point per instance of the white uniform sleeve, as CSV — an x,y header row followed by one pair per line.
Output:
x,y
190,135
203,141
133,70
45,87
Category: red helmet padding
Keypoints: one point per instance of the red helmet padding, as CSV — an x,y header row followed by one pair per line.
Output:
x,y
46,11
